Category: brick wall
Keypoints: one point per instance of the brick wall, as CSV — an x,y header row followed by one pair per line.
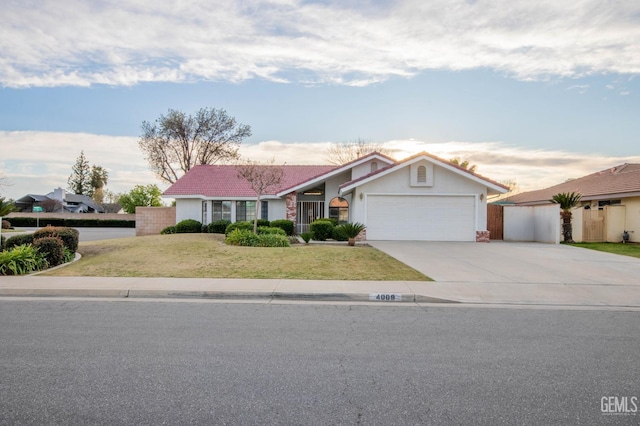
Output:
x,y
482,236
152,220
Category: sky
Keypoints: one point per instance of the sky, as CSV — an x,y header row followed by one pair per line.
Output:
x,y
530,92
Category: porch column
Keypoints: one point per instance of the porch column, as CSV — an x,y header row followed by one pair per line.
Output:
x,y
291,200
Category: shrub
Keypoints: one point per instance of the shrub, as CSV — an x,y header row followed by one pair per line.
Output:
x,y
2,240
339,234
76,223
168,230
188,226
322,229
6,224
273,240
69,236
22,259
270,230
287,225
18,240
263,222
293,239
52,248
241,237
219,226
306,236
68,255
239,225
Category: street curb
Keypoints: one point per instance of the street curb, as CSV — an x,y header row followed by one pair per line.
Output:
x,y
204,294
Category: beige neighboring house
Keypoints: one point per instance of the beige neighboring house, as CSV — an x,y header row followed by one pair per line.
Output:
x,y
610,203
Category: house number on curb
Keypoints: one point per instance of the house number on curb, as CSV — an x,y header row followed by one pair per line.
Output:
x,y
386,297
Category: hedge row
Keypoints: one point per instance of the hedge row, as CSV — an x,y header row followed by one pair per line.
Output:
x,y
75,223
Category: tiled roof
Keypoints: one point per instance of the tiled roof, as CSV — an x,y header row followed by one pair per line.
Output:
x,y
612,182
223,180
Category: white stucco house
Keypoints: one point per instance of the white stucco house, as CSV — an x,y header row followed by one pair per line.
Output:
x,y
420,198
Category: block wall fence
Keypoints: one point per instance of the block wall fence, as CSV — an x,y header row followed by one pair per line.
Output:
x,y
152,220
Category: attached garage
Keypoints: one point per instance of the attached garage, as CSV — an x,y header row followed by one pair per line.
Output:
x,y
421,217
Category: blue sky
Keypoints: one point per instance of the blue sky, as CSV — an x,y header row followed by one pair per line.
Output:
x,y
536,93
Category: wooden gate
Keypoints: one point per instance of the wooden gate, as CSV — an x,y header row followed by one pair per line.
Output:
x,y
593,225
495,221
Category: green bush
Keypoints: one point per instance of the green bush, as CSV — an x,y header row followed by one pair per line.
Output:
x,y
76,223
22,259
69,236
18,240
52,248
263,222
273,240
239,225
2,241
270,230
246,237
168,230
306,237
322,229
287,225
68,255
241,237
339,234
219,226
188,226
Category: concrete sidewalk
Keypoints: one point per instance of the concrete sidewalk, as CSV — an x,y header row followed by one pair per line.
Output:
x,y
349,291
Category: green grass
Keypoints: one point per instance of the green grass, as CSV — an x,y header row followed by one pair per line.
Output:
x,y
628,249
205,256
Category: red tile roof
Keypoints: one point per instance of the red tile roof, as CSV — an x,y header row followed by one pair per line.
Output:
x,y
615,181
223,181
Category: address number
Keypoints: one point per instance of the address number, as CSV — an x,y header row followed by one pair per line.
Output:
x,y
385,297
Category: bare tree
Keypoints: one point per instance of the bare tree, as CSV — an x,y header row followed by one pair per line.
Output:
x,y
344,152
176,142
50,206
261,178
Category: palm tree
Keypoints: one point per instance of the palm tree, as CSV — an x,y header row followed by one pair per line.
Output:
x,y
567,201
6,207
464,164
352,230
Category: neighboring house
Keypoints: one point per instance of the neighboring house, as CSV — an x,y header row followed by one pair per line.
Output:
x,y
420,198
610,203
60,201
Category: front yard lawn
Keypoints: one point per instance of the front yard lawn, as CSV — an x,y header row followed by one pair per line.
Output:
x,y
628,249
205,256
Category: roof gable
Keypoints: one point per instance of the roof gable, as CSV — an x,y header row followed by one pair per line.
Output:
x,y
612,182
492,185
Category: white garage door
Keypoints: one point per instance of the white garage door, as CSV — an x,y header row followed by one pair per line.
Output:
x,y
421,218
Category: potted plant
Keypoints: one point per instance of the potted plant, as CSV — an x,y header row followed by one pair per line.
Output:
x,y
352,230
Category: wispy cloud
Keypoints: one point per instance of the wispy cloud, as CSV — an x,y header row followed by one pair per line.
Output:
x,y
120,42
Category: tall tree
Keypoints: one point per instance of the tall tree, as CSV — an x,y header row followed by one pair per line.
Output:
x,y
99,178
176,142
141,196
261,178
465,164
80,179
344,152
567,201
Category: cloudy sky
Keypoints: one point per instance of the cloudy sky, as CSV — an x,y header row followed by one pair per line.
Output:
x,y
536,92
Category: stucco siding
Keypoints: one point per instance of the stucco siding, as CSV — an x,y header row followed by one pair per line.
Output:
x,y
190,208
632,222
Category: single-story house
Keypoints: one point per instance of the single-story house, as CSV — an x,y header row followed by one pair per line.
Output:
x,y
59,201
609,206
420,198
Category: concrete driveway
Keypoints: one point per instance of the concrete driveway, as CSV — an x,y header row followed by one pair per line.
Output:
x,y
504,272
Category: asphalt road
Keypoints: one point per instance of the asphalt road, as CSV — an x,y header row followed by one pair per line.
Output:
x,y
98,362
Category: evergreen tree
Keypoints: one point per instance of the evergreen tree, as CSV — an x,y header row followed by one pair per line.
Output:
x,y
80,179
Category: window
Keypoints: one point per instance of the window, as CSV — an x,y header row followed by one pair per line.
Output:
x,y
245,210
422,174
264,210
339,210
221,210
204,212
374,166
